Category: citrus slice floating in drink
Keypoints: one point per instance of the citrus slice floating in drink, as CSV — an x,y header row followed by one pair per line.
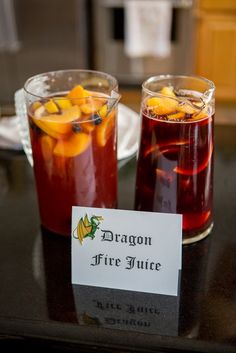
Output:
x,y
51,107
186,107
77,95
47,146
56,125
176,116
92,105
202,166
73,146
104,129
63,103
159,149
168,91
162,105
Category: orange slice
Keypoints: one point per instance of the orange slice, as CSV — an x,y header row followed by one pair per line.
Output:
x,y
87,126
192,171
51,107
73,146
63,103
104,129
168,91
203,114
159,149
176,116
103,111
87,108
36,105
186,107
44,127
57,125
78,95
161,105
67,116
47,146
92,105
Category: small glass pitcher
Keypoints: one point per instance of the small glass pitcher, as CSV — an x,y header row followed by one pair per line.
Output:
x,y
69,134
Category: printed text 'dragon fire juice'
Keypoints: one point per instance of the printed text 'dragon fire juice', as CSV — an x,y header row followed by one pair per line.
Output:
x,y
72,120
175,162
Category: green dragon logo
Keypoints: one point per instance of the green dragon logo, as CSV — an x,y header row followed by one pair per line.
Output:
x,y
87,228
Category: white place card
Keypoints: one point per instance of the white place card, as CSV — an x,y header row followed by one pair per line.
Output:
x,y
129,250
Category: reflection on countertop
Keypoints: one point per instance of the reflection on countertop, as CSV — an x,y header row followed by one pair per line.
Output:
x,y
37,298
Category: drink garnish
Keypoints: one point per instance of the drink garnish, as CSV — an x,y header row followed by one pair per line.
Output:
x,y
51,107
104,129
79,112
161,105
96,119
62,103
172,105
76,127
56,125
159,149
47,146
197,170
73,146
77,95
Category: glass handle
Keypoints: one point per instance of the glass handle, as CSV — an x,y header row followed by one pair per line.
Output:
x,y
23,125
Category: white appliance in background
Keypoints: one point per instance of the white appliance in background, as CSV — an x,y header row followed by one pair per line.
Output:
x,y
38,36
110,44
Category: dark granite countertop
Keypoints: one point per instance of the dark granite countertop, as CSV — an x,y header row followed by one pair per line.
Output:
x,y
39,308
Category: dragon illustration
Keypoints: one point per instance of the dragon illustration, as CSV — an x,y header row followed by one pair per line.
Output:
x,y
86,228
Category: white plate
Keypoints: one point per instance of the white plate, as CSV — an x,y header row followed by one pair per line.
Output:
x,y
128,131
